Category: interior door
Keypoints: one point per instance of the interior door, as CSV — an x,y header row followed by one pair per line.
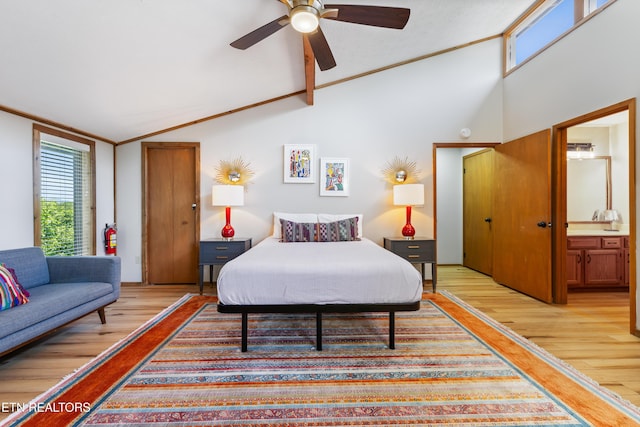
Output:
x,y
171,212
522,215
477,189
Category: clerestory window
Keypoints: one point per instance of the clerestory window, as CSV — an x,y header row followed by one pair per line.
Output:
x,y
545,24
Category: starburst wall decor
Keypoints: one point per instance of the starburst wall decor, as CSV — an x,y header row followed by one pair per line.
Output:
x,y
234,172
400,171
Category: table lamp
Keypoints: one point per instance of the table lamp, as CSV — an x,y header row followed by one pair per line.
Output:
x,y
613,217
408,195
227,196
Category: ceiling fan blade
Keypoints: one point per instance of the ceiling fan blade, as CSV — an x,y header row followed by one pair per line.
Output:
x,y
261,33
377,16
321,50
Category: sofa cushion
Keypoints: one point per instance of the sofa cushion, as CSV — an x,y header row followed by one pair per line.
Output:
x,y
10,293
49,300
29,263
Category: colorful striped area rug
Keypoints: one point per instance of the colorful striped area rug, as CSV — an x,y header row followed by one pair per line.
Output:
x,y
452,366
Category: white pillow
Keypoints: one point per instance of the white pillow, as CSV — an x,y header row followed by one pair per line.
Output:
x,y
295,217
326,218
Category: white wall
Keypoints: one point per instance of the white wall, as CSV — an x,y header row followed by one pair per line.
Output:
x,y
16,181
449,205
399,112
105,210
593,67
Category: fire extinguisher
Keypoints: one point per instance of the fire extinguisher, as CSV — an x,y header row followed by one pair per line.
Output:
x,y
110,239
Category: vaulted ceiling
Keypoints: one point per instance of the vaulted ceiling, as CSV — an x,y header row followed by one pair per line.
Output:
x,y
123,69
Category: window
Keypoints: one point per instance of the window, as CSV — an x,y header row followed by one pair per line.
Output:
x,y
548,22
65,193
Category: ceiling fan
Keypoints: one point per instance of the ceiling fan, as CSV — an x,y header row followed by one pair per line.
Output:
x,y
304,16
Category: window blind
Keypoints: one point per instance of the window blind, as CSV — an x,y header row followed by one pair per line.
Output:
x,y
65,199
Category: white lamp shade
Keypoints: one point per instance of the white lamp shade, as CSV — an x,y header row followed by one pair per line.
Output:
x,y
408,194
609,215
227,195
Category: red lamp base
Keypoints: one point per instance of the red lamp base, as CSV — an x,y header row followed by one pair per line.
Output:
x,y
228,231
408,231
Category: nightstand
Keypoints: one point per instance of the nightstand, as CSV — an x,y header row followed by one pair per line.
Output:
x,y
219,251
417,251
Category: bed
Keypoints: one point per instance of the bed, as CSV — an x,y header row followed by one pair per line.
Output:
x,y
307,275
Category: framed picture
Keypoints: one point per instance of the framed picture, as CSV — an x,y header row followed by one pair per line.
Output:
x,y
334,176
299,163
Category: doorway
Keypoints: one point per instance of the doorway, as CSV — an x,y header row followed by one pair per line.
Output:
x,y
620,198
171,215
447,197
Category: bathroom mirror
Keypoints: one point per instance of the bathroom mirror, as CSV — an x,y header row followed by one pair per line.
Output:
x,y
588,187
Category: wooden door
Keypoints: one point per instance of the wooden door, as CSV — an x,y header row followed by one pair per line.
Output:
x,y
522,215
171,191
477,189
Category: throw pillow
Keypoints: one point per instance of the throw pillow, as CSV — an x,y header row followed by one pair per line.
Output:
x,y
295,217
298,231
10,294
326,218
345,230
15,278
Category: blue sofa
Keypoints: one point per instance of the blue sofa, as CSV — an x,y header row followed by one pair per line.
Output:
x,y
62,289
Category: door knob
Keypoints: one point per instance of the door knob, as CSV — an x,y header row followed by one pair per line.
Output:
x,y
193,206
544,224
487,219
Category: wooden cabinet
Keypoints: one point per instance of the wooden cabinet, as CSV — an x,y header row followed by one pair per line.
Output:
x,y
596,262
574,268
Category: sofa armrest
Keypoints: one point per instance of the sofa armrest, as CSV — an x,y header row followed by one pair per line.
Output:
x,y
73,269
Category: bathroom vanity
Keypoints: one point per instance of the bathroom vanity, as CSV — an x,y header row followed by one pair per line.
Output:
x,y
597,259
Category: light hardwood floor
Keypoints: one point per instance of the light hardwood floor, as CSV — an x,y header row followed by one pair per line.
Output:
x,y
590,333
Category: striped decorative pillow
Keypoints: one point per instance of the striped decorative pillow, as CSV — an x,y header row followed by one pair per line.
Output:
x,y
10,291
345,230
298,231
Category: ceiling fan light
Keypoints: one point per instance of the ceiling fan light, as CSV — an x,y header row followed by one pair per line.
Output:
x,y
304,19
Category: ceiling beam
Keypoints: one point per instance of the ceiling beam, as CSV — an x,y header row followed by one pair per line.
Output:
x,y
309,68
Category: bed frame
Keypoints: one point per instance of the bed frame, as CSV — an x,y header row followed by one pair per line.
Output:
x,y
318,309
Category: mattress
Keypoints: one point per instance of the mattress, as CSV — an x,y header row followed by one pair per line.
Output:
x,y
354,272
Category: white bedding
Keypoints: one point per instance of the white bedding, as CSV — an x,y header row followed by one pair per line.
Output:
x,y
355,272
